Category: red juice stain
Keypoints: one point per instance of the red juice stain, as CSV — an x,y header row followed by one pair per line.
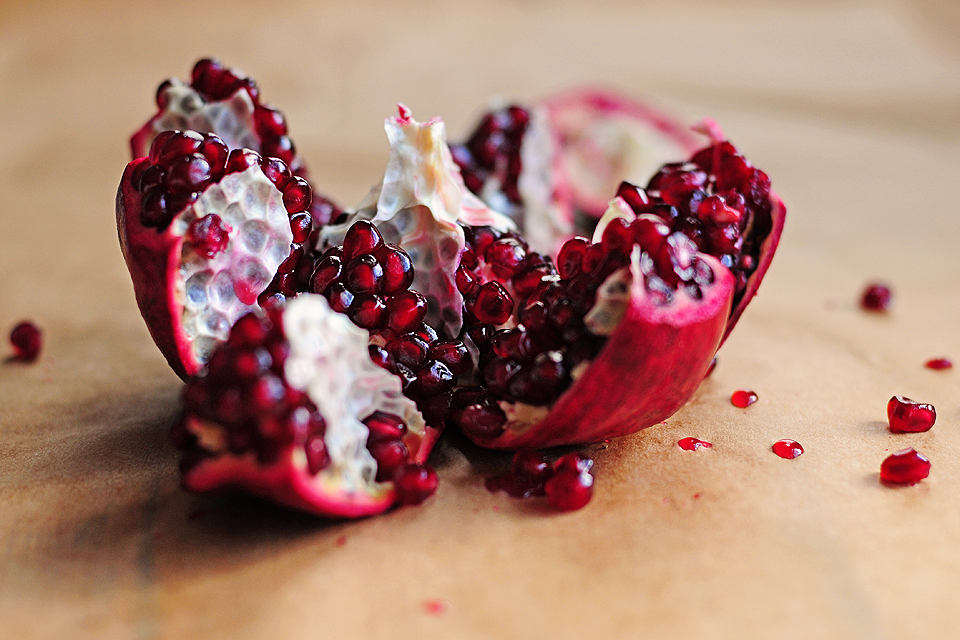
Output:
x,y
787,449
939,364
342,540
743,398
904,467
436,606
692,444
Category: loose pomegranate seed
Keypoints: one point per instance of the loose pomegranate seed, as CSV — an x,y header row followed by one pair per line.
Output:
x,y
569,490
414,482
877,296
908,416
692,444
939,364
531,465
26,340
743,398
787,449
905,467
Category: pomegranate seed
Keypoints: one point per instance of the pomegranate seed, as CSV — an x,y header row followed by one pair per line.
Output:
x,y
369,311
269,122
454,354
362,237
385,426
907,416
301,224
26,340
531,465
483,421
493,304
276,171
240,160
570,258
414,482
209,235
363,274
569,490
410,350
743,398
405,311
397,269
297,195
389,454
328,269
787,449
692,444
618,237
189,173
939,364
905,467
877,296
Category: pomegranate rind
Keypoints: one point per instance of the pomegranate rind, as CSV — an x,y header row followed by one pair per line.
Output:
x,y
651,365
328,360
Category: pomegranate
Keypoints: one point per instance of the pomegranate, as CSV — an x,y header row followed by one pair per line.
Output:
x,y
26,340
204,231
906,466
552,167
909,416
291,408
939,364
226,102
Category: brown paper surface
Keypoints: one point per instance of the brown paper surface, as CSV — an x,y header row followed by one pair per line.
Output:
x,y
851,107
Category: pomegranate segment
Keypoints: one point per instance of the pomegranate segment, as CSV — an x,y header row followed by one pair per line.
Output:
x,y
909,416
904,467
634,319
292,409
552,167
26,340
204,232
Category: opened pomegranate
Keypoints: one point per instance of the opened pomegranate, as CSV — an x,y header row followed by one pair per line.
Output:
x,y
204,231
291,408
553,166
226,102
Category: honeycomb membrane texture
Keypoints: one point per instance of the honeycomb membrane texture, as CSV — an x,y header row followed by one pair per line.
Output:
x,y
329,361
216,291
231,119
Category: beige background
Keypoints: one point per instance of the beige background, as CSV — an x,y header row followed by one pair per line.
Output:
x,y
851,107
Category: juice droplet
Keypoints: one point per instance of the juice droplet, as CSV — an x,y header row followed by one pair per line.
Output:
x,y
743,398
436,606
939,364
905,467
692,444
787,449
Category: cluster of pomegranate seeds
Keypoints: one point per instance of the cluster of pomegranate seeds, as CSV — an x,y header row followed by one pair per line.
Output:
x,y
717,199
876,296
743,398
493,151
693,444
370,282
26,340
905,467
567,483
787,449
414,482
246,392
939,364
908,416
182,164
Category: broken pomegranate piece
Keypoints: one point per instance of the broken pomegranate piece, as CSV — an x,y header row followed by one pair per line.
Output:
x,y
26,340
204,231
909,416
291,408
552,167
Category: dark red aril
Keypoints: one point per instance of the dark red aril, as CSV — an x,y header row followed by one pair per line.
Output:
x,y
876,296
571,486
209,235
908,416
939,364
904,467
27,341
414,482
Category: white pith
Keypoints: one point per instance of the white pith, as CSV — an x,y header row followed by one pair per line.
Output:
x,y
329,361
417,205
252,209
544,224
231,119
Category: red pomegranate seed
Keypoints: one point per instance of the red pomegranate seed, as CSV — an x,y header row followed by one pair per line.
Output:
x,y
692,444
877,296
414,482
362,237
208,235
939,364
531,465
743,398
27,341
493,304
908,416
787,449
569,490
905,467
